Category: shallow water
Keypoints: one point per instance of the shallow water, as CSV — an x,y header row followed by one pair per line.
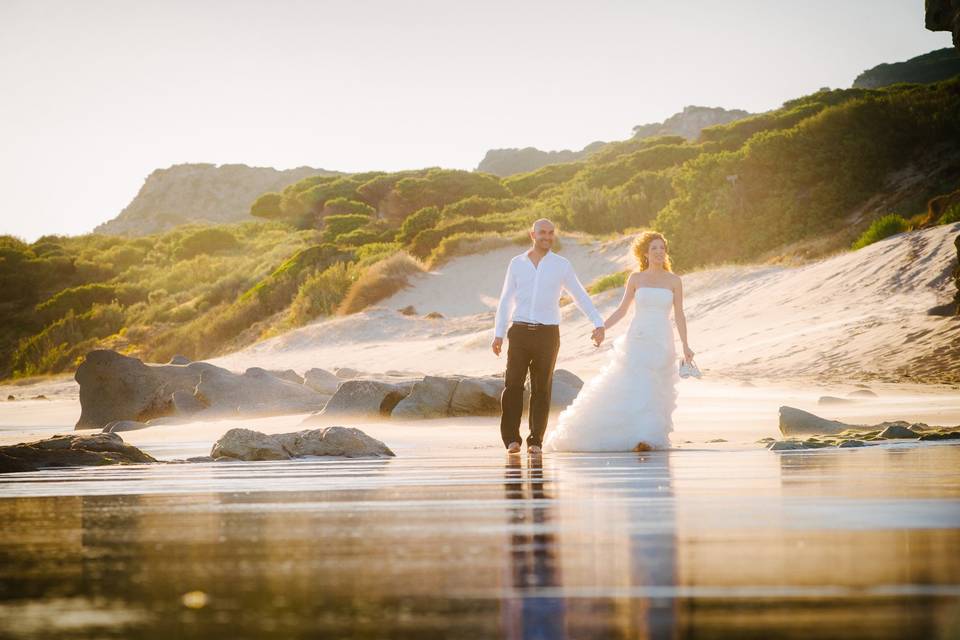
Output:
x,y
469,543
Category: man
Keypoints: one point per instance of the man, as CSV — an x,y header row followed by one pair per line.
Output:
x,y
532,289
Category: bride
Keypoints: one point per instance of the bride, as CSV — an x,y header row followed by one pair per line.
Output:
x,y
629,404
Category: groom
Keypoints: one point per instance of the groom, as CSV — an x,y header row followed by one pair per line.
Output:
x,y
532,289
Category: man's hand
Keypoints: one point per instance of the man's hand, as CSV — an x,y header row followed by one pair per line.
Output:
x,y
597,336
497,346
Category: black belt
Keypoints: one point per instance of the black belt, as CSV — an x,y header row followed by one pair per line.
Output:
x,y
533,325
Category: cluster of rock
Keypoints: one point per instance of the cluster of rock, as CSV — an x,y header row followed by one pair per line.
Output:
x,y
805,430
120,393
70,451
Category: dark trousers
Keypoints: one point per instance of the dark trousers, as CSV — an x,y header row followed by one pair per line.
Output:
x,y
533,349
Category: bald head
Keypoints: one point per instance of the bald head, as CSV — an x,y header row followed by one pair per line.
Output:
x,y
542,233
542,223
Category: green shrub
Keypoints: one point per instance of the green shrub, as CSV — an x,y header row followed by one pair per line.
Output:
x,y
418,221
380,281
341,206
881,228
476,206
81,299
268,206
950,216
462,244
334,226
610,281
205,241
321,293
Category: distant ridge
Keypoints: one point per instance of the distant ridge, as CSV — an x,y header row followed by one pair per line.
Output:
x,y
929,67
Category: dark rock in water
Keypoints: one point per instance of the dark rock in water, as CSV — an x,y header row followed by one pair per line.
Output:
x,y
834,400
408,310
862,393
941,435
179,359
815,444
851,443
124,425
11,397
227,459
786,445
897,431
40,397
717,440
796,421
766,440
245,444
199,459
69,451
434,315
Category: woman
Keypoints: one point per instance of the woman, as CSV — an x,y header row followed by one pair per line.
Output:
x,y
628,406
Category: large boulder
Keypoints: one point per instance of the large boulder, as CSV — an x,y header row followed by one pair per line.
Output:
x,y
69,451
322,381
284,374
245,444
566,386
361,399
117,387
429,398
255,392
477,397
796,421
124,425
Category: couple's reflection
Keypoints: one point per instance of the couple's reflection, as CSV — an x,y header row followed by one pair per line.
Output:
x,y
530,609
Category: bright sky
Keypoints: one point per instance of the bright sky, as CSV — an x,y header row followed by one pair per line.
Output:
x,y
97,94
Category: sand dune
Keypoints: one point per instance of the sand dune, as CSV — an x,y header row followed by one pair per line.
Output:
x,y
859,315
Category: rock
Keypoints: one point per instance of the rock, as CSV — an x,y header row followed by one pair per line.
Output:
x,y
851,443
124,425
897,431
117,387
346,373
185,403
434,315
256,392
796,421
70,450
246,444
321,381
361,398
786,445
862,393
179,359
286,374
226,459
566,386
941,435
333,441
429,398
40,397
717,440
477,397
834,400
408,310
812,443
199,459
943,15
11,397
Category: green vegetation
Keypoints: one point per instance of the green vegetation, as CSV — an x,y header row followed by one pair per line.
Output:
x,y
336,244
881,228
611,281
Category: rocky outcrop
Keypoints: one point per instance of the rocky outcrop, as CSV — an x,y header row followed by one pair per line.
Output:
x,y
429,398
70,451
369,399
186,193
114,387
944,15
796,421
507,162
689,122
245,444
321,381
929,67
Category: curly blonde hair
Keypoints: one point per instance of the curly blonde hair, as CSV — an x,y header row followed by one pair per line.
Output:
x,y
642,245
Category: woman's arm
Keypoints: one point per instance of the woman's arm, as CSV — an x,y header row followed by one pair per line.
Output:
x,y
625,302
680,319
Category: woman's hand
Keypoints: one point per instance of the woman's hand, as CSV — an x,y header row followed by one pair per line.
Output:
x,y
687,353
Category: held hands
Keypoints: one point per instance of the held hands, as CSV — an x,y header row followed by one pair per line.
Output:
x,y
687,354
497,346
597,336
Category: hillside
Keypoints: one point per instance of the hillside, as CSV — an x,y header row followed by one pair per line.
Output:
x,y
929,67
687,124
859,315
186,193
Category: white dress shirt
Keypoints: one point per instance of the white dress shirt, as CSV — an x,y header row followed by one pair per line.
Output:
x,y
533,292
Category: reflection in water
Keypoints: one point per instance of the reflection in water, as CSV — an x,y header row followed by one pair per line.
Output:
x,y
680,544
533,563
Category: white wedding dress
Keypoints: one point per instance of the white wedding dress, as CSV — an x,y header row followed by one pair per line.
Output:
x,y
632,399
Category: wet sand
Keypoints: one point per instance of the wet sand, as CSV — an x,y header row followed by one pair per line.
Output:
x,y
452,538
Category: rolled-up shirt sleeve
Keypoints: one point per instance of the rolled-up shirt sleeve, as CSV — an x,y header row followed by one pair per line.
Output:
x,y
580,296
505,306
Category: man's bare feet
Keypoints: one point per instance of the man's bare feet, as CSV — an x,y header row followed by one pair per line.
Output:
x,y
513,447
534,450
642,446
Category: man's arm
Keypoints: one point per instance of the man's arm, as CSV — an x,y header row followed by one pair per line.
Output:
x,y
580,296
505,305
